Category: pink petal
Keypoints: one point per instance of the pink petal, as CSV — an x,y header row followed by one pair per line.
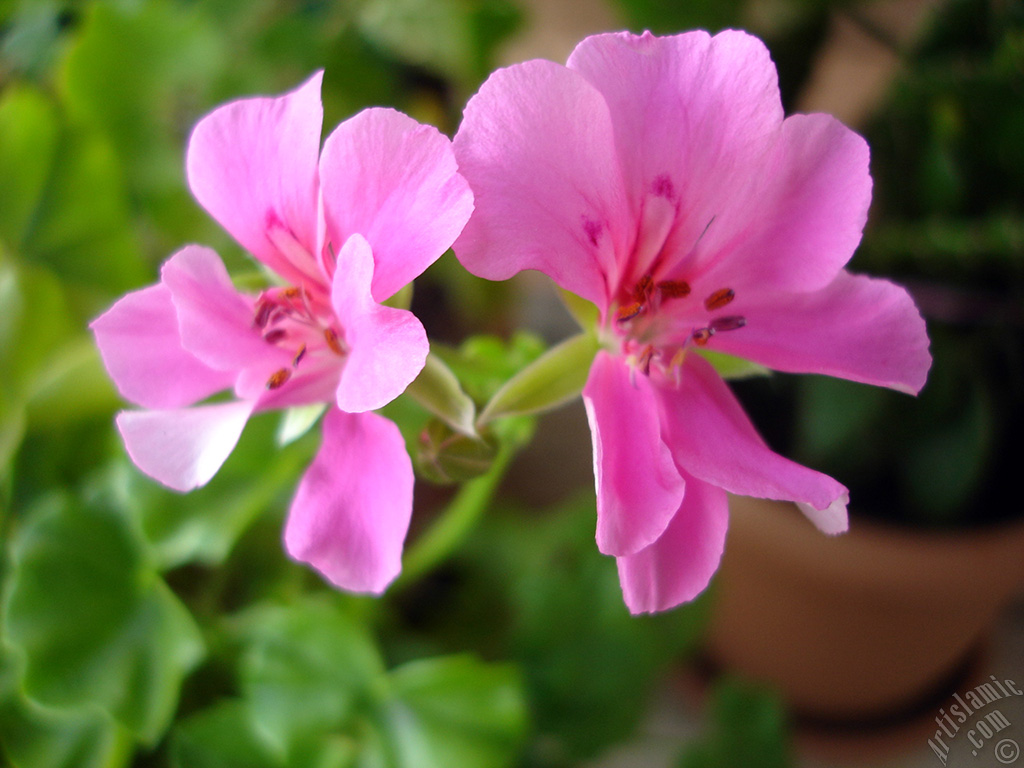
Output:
x,y
538,149
638,485
387,347
140,346
217,322
857,328
693,115
712,439
678,566
800,221
395,182
253,165
183,448
352,509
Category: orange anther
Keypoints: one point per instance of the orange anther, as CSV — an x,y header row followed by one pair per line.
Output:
x,y
278,378
719,299
701,336
332,341
629,311
298,356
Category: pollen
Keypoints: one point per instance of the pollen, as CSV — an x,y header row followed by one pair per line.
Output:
x,y
298,356
719,299
278,378
333,342
674,289
629,311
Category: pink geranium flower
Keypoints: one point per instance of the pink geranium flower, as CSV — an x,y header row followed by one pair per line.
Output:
x,y
657,178
344,229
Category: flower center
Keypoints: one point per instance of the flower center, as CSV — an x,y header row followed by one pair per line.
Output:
x,y
288,319
657,327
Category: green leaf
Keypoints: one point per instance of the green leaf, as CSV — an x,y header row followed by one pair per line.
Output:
x,y
482,364
28,143
221,737
95,624
305,670
36,737
204,525
83,229
748,728
551,380
455,711
438,390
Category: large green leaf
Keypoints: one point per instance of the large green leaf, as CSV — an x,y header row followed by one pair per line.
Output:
x,y
28,142
221,737
38,737
93,621
306,670
455,711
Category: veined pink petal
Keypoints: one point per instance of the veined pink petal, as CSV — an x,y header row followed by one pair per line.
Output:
x,y
139,342
387,347
712,439
638,485
395,182
858,328
183,448
800,222
693,115
352,509
538,149
216,321
253,165
678,566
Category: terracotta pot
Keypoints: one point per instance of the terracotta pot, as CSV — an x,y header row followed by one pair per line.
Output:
x,y
860,626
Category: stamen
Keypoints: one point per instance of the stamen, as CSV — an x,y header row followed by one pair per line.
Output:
x,y
274,335
702,335
332,341
719,299
642,292
728,323
264,309
674,289
629,311
298,356
278,378
645,360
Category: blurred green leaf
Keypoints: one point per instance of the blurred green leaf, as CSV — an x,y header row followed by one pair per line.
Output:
x,y
28,143
220,737
203,526
37,737
748,728
83,230
306,669
590,666
95,624
455,711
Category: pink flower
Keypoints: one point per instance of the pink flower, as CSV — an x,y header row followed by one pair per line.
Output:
x,y
657,178
343,229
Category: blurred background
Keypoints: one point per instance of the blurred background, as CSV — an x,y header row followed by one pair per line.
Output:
x,y
145,628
